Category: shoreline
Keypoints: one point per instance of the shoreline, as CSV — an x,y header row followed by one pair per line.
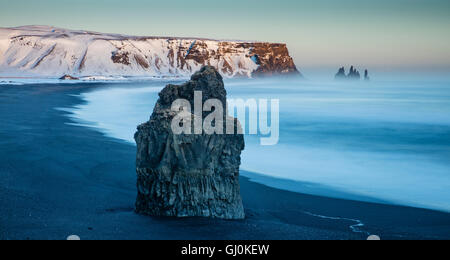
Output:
x,y
85,80
60,179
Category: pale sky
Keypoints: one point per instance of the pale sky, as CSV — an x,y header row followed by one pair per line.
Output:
x,y
386,34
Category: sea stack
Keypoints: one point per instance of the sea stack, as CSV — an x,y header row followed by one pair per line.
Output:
x,y
188,175
366,75
353,74
340,74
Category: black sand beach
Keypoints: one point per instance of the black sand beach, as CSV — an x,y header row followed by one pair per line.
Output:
x,y
58,179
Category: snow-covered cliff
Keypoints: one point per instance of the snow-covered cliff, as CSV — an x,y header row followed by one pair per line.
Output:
x,y
53,52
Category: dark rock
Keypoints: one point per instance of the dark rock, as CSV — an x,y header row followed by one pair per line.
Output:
x,y
366,75
353,74
68,77
188,174
122,57
341,74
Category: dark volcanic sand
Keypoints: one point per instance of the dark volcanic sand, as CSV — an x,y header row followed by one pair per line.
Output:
x,y
58,179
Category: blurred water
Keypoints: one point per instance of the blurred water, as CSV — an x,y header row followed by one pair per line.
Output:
x,y
385,140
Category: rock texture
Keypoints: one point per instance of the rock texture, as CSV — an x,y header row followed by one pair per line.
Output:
x,y
48,51
273,59
188,174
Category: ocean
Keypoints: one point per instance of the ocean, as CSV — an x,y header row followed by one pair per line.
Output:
x,y
385,141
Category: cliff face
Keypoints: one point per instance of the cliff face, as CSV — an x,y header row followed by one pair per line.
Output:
x,y
48,51
273,59
182,175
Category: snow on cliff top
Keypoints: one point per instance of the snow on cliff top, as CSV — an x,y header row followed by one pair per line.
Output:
x,y
49,31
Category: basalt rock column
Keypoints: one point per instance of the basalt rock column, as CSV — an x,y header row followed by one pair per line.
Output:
x,y
183,175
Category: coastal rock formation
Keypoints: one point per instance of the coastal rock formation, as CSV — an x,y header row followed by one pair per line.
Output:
x,y
341,74
68,77
52,52
353,74
272,59
188,174
366,75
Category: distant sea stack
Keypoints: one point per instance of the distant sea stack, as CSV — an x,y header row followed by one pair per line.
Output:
x,y
341,74
366,75
188,174
52,52
353,74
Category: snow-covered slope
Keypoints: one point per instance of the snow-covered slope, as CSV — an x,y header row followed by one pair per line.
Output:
x,y
53,52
